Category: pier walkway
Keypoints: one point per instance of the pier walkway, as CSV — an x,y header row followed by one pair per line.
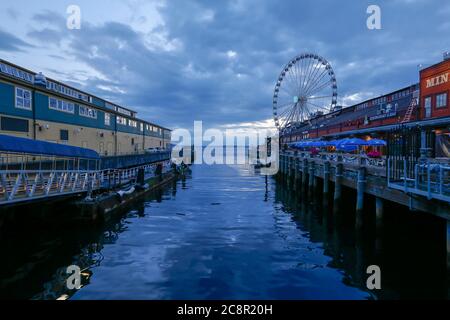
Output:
x,y
36,170
425,187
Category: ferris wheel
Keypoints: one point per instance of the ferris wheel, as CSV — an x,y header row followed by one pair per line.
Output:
x,y
305,88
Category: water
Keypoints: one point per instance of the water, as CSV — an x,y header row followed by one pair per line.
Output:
x,y
226,234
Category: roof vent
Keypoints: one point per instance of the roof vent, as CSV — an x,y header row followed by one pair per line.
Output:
x,y
40,80
446,55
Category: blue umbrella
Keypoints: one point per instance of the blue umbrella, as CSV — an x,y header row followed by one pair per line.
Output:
x,y
354,142
319,144
376,142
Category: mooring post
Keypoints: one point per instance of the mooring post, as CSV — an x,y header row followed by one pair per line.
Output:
x,y
338,186
326,179
361,184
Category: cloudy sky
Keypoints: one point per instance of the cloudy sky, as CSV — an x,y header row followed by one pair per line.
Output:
x,y
176,61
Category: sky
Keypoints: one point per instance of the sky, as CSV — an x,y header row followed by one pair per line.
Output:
x,y
177,61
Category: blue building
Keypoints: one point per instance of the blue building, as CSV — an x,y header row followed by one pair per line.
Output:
x,y
40,108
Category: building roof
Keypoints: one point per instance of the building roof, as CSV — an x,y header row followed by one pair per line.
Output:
x,y
105,109
37,147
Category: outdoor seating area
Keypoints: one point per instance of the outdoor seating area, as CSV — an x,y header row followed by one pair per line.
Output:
x,y
371,148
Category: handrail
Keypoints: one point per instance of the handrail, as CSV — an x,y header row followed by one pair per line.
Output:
x,y
24,185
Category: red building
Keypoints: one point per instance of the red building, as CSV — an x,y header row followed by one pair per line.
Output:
x,y
425,105
434,91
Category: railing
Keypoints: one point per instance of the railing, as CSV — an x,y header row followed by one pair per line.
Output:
x,y
360,160
429,179
26,185
133,160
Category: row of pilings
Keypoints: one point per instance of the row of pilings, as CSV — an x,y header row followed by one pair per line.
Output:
x,y
311,178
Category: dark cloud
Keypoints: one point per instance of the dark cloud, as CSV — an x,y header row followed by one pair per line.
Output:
x,y
218,61
9,42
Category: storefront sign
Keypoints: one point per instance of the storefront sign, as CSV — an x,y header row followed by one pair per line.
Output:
x,y
437,81
383,116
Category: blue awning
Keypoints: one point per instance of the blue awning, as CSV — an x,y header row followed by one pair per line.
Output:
x,y
36,147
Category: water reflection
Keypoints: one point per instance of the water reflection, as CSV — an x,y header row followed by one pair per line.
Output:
x,y
227,234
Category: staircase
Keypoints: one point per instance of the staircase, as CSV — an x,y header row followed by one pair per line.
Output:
x,y
414,103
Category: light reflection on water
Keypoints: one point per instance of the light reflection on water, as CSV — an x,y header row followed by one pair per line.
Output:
x,y
225,234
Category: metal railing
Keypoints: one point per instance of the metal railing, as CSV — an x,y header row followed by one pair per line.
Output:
x,y
28,185
429,179
354,159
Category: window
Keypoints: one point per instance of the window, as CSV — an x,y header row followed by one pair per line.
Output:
x,y
427,107
61,105
23,99
14,125
121,120
441,100
64,135
107,119
142,127
132,123
88,112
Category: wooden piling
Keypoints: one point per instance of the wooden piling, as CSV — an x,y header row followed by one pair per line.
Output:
x,y
305,176
311,179
338,186
326,179
379,212
361,184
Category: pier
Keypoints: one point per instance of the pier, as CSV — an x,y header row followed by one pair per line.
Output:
x,y
427,191
34,171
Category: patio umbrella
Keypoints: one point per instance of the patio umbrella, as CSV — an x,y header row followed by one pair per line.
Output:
x,y
354,142
376,143
318,144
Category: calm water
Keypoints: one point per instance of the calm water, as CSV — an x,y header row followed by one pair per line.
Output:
x,y
227,234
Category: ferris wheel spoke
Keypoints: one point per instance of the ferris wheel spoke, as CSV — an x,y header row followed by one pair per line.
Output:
x,y
294,78
323,97
287,89
307,75
317,106
315,81
319,88
312,78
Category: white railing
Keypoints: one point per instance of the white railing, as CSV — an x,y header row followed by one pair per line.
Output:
x,y
429,179
355,159
26,185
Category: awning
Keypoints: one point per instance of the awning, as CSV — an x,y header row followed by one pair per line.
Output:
x,y
37,147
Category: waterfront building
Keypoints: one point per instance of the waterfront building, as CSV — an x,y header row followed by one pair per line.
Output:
x,y
423,105
36,107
